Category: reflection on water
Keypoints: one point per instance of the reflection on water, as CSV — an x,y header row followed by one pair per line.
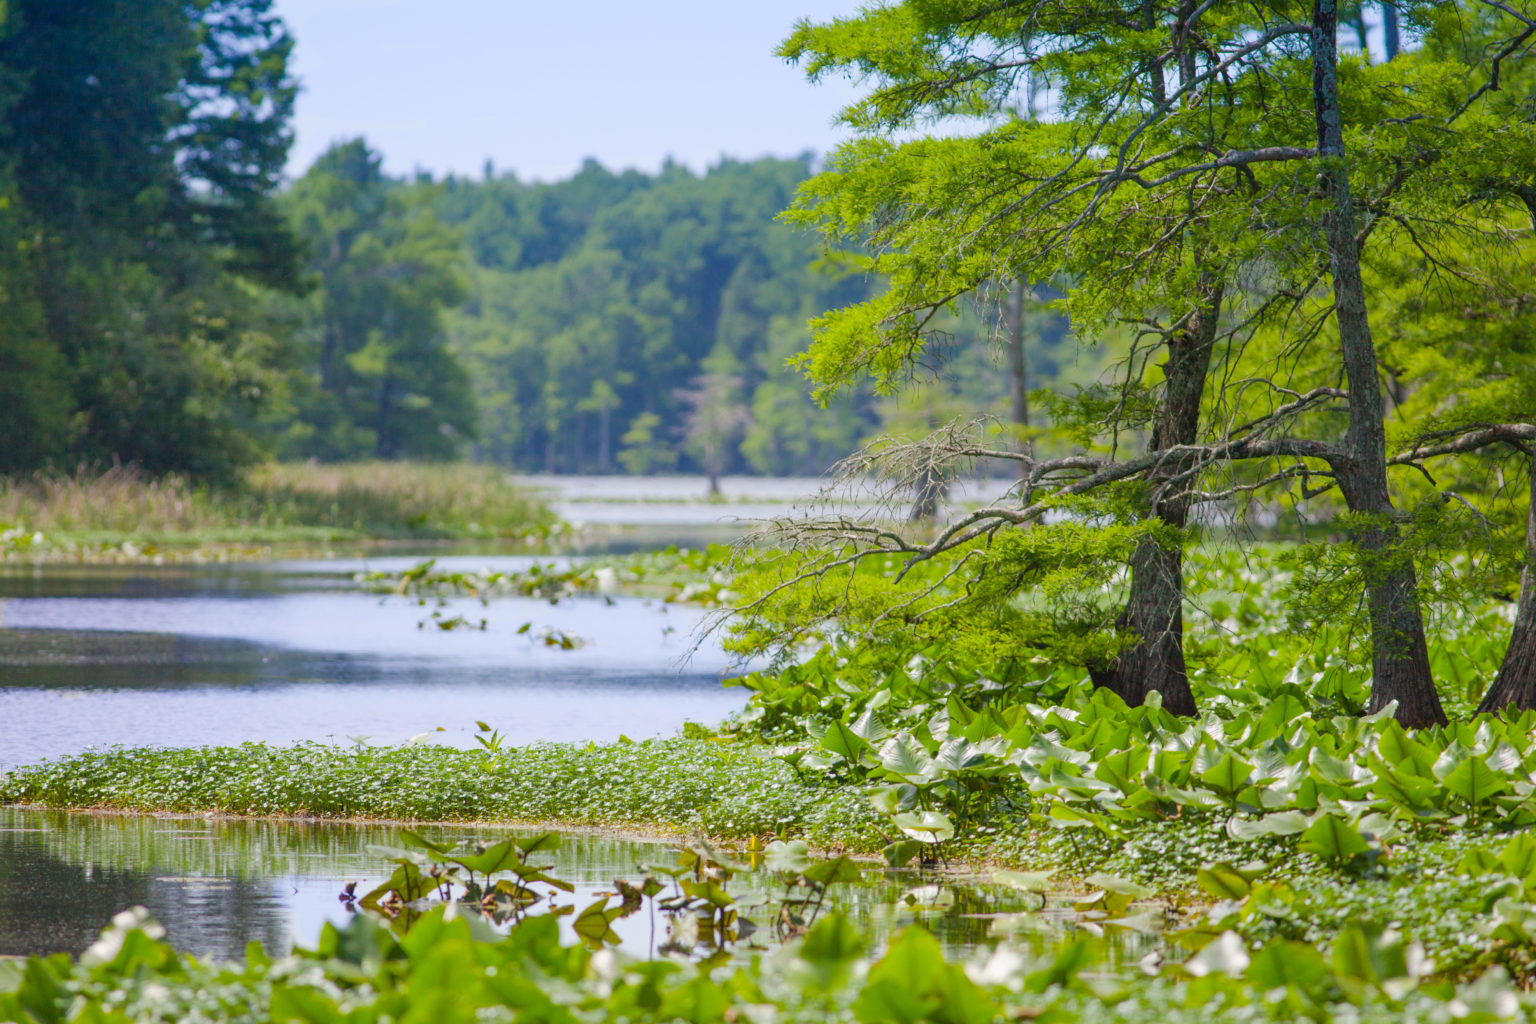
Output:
x,y
217,884
180,656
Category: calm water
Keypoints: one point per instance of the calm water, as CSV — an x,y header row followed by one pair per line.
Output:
x,y
179,656
182,656
216,885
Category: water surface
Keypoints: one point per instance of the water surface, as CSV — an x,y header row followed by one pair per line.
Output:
x,y
187,656
217,884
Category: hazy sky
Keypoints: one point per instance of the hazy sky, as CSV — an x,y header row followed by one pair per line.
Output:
x,y
538,87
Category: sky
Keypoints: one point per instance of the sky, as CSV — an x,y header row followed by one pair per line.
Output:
x,y
537,87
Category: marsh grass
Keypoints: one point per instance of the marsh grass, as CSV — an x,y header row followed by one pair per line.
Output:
x,y
300,501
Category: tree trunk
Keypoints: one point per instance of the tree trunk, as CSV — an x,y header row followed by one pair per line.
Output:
x,y
1392,39
931,490
1399,656
383,446
1154,612
1018,374
1515,685
604,429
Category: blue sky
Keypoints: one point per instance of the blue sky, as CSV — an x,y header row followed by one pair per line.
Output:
x,y
537,87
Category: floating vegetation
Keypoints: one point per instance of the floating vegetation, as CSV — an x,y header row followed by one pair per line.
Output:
x,y
674,575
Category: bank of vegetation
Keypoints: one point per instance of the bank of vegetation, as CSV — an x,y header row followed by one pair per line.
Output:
x,y
125,513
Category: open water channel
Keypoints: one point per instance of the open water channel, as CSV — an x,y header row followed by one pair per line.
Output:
x,y
92,657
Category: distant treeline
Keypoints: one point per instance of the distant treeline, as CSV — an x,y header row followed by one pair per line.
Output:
x,y
630,321
166,302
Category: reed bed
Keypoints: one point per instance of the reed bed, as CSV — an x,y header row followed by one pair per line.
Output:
x,y
371,499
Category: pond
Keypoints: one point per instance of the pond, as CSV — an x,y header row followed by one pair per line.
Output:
x,y
94,656
183,656
216,884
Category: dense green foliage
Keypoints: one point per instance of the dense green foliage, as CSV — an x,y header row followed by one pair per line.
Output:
x,y
450,968
599,300
727,789
142,143
378,380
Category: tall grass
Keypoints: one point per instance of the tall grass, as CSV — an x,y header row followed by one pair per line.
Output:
x,y
372,499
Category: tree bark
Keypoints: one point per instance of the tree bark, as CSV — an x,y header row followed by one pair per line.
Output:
x,y
1515,685
1399,657
1154,611
1391,36
929,497
1018,373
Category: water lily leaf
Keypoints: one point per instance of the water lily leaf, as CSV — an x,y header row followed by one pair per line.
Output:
x,y
544,841
1226,954
1518,858
901,852
595,923
913,980
833,872
1478,862
1404,753
1281,823
1332,838
1223,881
902,756
1474,781
926,826
793,857
843,741
957,754
709,891
1227,776
1287,963
868,727
1113,883
1404,789
412,838
1025,881
502,856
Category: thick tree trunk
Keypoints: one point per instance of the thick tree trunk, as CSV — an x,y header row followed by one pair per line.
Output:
x,y
1515,685
1018,373
1399,657
1154,612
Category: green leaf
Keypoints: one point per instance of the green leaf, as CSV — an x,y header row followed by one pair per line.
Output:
x,y
902,756
1474,781
1228,776
1285,963
1281,823
834,871
1025,881
792,857
1223,881
843,741
1226,954
1332,838
595,923
926,826
1113,883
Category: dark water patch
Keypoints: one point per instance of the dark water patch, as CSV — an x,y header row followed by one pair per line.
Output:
x,y
217,884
